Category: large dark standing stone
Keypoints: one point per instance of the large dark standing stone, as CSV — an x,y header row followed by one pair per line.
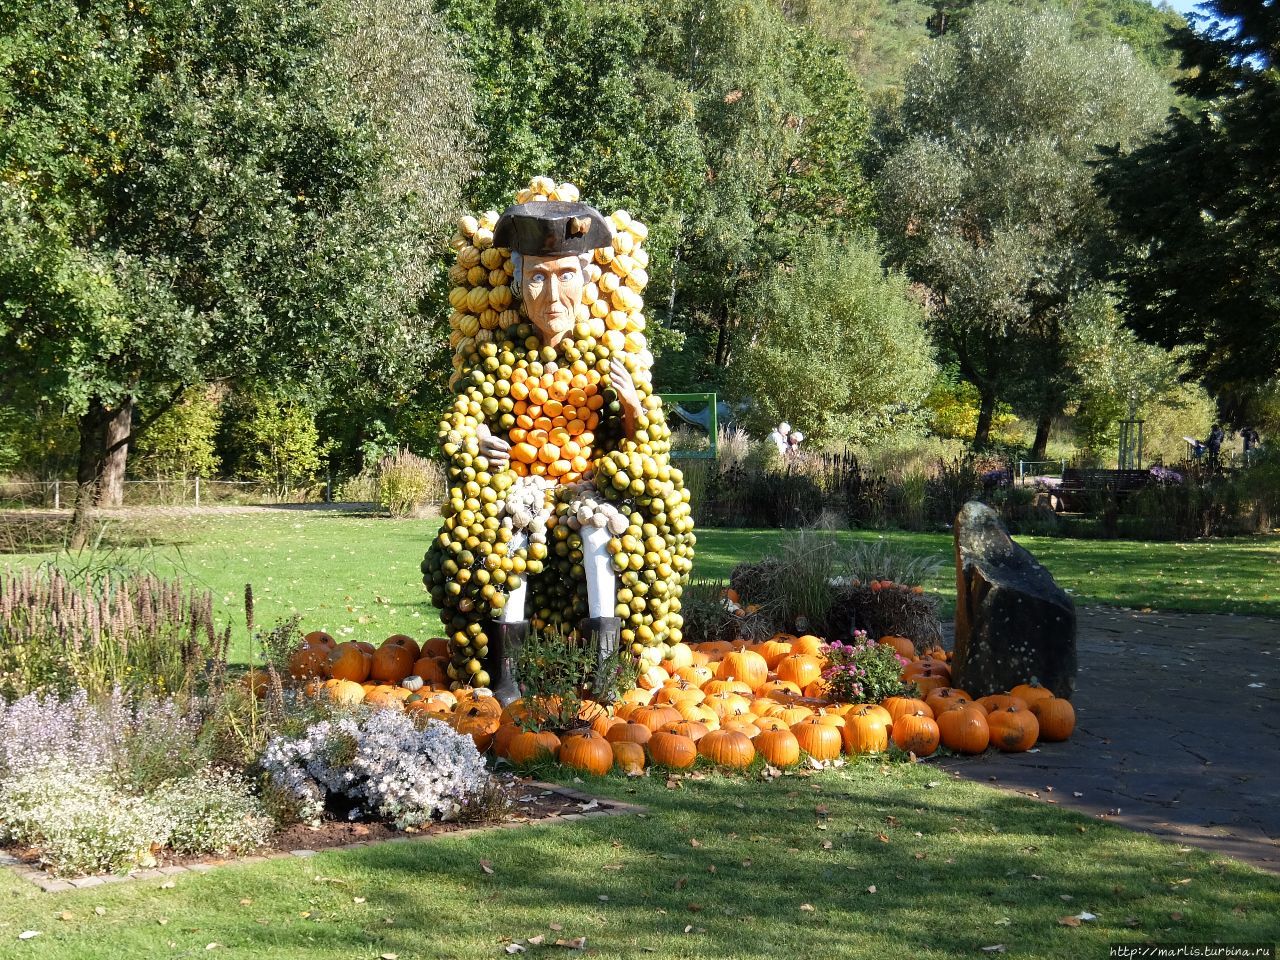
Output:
x,y
1013,623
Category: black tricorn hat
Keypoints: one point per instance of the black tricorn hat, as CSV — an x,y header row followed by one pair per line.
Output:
x,y
552,227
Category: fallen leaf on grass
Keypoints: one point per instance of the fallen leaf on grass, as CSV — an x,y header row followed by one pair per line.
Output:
x,y
682,883
246,902
162,921
536,941
28,934
388,956
554,926
577,943
694,842
1003,922
212,946
168,885
807,907
591,805
514,948
882,838
827,844
994,948
357,899
486,866
100,911
1175,916
871,889
1068,921
68,915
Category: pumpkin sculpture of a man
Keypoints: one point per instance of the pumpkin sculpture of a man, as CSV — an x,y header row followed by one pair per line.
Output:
x,y
564,512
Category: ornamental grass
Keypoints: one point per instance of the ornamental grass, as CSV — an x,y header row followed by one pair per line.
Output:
x,y
138,633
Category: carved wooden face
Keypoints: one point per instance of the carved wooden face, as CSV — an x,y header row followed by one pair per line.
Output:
x,y
552,290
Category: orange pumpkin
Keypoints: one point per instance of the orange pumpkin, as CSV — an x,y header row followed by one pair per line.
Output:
x,y
916,733
744,665
346,693
800,668
901,706
773,651
817,739
318,638
628,757
391,663
480,725
672,750
402,640
1057,718
628,732
349,661
587,752
964,729
780,748
431,670
1001,701
692,729
655,716
1031,692
533,747
808,645
866,731
309,661
727,748
1013,729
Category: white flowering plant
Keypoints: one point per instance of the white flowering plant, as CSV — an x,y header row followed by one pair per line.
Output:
x,y
212,811
378,765
79,821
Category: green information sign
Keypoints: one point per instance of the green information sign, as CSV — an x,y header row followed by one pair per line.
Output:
x,y
712,426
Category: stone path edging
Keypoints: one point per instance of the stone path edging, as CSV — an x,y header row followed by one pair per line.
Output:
x,y
51,884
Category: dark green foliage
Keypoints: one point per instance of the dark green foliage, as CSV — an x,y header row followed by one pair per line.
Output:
x,y
1198,208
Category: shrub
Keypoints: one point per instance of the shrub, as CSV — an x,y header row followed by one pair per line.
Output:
x,y
407,482
212,811
79,821
558,674
862,671
378,765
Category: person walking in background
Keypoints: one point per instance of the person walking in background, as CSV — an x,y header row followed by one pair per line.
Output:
x,y
1251,439
779,437
794,441
1213,443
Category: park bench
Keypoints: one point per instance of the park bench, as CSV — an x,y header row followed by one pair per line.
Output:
x,y
1079,482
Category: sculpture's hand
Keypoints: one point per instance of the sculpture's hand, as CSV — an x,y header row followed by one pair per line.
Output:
x,y
494,449
620,379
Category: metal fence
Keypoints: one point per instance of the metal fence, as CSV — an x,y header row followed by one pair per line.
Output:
x,y
185,491
1028,468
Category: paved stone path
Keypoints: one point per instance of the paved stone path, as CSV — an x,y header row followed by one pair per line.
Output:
x,y
1177,732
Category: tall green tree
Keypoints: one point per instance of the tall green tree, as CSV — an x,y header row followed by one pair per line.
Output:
x,y
835,346
1198,208
193,191
988,197
726,127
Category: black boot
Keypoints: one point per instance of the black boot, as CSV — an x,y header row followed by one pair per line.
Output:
x,y
606,633
505,641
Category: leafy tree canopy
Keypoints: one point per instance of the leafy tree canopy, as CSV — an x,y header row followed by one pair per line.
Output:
x,y
988,198
1198,208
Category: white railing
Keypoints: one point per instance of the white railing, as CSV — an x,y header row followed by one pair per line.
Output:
x,y
178,492
1023,472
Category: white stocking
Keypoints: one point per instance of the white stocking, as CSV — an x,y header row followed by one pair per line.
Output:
x,y
602,586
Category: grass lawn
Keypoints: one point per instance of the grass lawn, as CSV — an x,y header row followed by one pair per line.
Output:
x,y
869,861
357,576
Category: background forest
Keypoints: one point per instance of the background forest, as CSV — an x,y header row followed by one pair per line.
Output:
x,y
898,226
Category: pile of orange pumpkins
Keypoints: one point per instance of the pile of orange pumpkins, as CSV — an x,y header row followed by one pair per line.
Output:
x,y
726,702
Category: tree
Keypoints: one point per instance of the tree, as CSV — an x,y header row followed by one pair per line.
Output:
x,y
838,347
193,193
273,440
988,197
1198,208
731,131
